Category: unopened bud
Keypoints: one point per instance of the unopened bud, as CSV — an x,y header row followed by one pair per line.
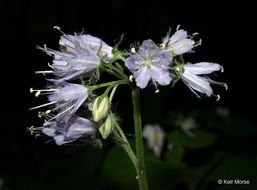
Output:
x,y
106,127
100,108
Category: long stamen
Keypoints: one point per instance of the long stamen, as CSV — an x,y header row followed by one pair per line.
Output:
x,y
47,104
43,72
43,90
60,114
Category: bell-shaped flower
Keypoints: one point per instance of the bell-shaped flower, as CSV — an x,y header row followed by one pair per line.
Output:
x,y
154,136
150,63
67,99
77,56
68,131
197,83
179,43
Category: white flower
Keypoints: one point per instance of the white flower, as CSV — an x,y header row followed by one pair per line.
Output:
x,y
155,138
197,83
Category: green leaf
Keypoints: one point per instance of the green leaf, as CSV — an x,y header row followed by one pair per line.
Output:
x,y
174,157
202,139
119,170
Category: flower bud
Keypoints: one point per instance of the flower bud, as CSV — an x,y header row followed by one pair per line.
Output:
x,y
106,127
100,108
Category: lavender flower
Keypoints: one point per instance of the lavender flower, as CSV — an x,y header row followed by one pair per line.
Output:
x,y
178,43
77,56
150,62
68,131
67,98
201,84
155,138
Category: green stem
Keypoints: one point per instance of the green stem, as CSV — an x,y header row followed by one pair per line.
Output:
x,y
113,83
116,70
139,141
125,145
112,72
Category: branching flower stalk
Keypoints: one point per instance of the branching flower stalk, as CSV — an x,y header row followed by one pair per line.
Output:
x,y
76,113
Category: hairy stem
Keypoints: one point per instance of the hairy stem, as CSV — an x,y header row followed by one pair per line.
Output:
x,y
141,173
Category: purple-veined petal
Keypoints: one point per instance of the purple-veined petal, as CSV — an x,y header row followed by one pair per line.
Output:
x,y
94,44
197,83
80,127
133,62
142,77
147,49
162,59
160,75
181,46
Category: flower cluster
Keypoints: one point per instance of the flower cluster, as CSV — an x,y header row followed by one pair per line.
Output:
x,y
78,56
82,56
164,63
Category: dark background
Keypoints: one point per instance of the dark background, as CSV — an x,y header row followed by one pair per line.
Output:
x,y
227,30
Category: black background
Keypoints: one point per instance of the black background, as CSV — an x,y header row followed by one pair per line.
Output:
x,y
227,30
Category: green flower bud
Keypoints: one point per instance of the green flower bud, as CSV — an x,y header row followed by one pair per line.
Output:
x,y
100,108
106,127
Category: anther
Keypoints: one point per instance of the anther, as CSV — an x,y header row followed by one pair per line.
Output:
x,y
157,91
37,135
196,33
57,28
131,78
162,45
199,43
49,65
39,114
133,50
61,43
221,69
137,177
45,47
178,27
48,111
218,98
226,86
37,93
49,54
31,90
68,50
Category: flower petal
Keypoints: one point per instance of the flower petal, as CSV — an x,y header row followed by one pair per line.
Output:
x,y
197,83
178,35
181,46
147,49
79,127
133,62
202,68
160,75
142,77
